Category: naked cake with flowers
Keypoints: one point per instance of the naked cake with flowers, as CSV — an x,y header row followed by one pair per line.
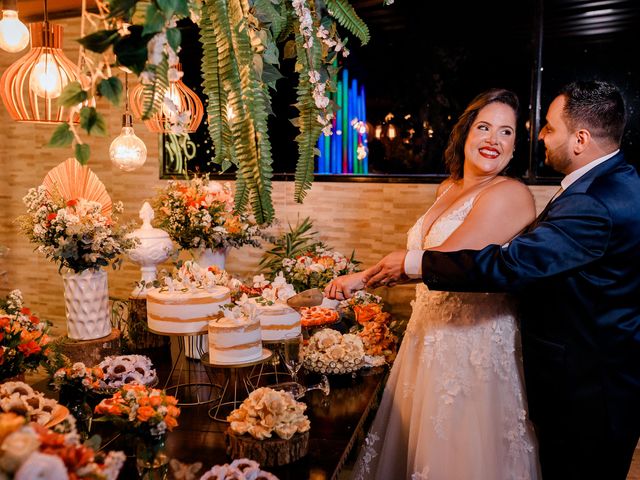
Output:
x,y
277,319
188,299
235,337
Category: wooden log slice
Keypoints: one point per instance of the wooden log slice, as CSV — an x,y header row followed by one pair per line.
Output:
x,y
137,330
92,352
270,452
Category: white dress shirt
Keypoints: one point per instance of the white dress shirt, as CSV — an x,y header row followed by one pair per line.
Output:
x,y
413,259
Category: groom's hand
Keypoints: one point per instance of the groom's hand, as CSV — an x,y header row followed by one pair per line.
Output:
x,y
387,272
345,286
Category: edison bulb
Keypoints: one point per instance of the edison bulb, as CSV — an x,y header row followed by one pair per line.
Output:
x,y
46,80
127,151
14,35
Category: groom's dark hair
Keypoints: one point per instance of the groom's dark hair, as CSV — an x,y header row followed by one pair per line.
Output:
x,y
596,106
454,154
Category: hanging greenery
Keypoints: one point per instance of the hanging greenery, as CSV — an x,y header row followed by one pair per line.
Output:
x,y
242,42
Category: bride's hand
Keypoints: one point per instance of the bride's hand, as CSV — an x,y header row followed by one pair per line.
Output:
x,y
344,286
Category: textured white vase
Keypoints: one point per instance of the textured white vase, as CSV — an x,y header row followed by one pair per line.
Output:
x,y
86,298
208,257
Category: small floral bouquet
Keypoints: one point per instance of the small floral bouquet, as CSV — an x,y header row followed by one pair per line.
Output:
x,y
267,411
24,343
270,292
199,214
142,411
372,326
78,377
191,277
239,469
329,351
75,234
29,451
316,267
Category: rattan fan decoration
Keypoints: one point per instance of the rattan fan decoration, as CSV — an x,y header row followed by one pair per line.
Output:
x,y
71,181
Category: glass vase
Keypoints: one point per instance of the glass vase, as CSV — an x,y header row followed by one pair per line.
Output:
x,y
77,403
152,461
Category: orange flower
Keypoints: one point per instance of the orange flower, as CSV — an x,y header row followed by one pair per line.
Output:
x,y
4,322
171,422
29,348
35,320
169,400
366,313
155,401
143,401
25,311
145,413
51,216
326,262
72,203
173,411
232,225
214,269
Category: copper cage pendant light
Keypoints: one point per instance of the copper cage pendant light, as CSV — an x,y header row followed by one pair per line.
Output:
x,y
183,98
30,86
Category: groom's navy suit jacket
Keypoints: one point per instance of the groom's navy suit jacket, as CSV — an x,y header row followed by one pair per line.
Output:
x,y
577,272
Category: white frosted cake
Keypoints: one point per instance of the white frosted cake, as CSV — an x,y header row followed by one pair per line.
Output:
x,y
277,321
184,312
188,299
234,338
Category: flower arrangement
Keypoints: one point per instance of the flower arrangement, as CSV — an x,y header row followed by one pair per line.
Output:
x,y
78,377
270,292
329,351
191,277
75,234
316,267
200,214
265,412
24,343
373,325
140,410
239,469
29,451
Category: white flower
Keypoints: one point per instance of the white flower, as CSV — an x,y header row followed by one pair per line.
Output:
x,y
314,76
42,466
155,48
17,447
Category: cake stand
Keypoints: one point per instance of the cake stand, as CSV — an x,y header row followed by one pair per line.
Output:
x,y
236,384
194,392
271,371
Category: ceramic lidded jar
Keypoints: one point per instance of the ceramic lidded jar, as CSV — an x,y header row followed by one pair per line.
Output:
x,y
154,248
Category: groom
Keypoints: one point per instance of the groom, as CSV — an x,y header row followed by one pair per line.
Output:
x,y
577,271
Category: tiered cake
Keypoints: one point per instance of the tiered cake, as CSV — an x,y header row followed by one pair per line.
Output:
x,y
188,300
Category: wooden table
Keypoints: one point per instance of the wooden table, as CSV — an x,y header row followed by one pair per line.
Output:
x,y
337,421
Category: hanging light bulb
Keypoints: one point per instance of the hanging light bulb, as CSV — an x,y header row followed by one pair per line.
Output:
x,y
45,80
127,151
14,35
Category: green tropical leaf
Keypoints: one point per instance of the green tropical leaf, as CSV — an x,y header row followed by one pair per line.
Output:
x,y
92,121
111,89
62,136
131,51
82,153
99,41
154,20
122,8
346,16
174,38
296,241
168,7
72,95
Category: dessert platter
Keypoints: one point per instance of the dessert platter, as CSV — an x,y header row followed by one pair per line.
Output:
x,y
126,369
22,399
332,353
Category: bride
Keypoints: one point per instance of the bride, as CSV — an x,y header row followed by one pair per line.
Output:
x,y
453,407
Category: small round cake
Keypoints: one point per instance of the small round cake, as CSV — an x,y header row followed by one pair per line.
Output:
x,y
234,339
184,312
277,321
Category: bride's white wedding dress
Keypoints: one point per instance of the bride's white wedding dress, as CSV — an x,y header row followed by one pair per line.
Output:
x,y
453,407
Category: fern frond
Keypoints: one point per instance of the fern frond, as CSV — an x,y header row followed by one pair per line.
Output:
x,y
309,126
153,93
346,16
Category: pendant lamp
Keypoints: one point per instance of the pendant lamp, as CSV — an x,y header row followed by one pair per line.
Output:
x,y
181,96
30,86
127,151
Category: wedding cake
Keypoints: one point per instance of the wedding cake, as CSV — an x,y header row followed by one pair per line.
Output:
x,y
234,338
277,319
188,300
